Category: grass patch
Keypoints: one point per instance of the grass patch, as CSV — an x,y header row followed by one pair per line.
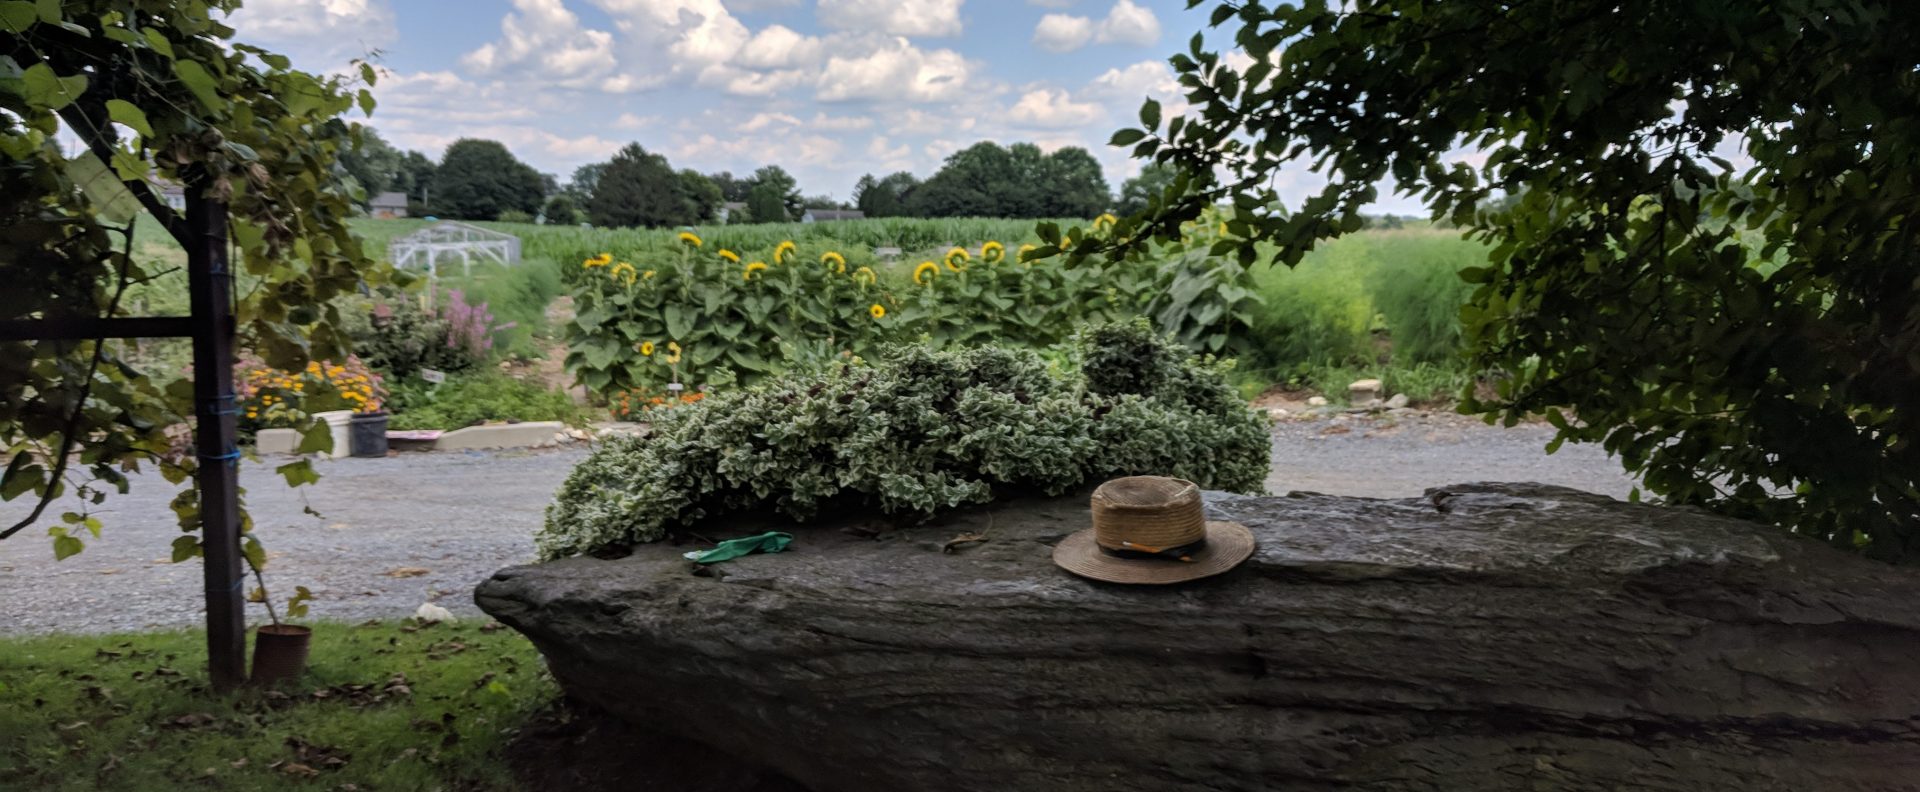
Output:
x,y
385,706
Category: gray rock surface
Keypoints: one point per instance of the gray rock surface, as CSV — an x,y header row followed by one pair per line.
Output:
x,y
1483,637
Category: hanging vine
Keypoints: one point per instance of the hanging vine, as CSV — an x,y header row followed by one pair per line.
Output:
x,y
154,91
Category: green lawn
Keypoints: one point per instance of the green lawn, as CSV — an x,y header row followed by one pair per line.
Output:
x,y
384,706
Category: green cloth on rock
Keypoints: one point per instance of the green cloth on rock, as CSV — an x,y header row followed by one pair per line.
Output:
x,y
769,542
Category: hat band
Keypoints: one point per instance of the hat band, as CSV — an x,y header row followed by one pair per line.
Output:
x,y
1139,551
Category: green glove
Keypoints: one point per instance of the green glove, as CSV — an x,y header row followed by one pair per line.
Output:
x,y
769,542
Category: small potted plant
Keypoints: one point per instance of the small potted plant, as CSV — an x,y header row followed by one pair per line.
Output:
x,y
279,649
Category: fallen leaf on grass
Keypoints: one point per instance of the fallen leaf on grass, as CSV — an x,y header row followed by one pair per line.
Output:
x,y
192,721
492,626
298,769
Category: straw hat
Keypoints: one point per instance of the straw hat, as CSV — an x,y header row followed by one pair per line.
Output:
x,y
1152,529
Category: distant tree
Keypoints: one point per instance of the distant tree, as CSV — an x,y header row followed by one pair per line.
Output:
x,y
640,188
584,179
479,179
824,202
1135,193
731,188
765,204
885,197
1075,187
561,210
374,164
783,184
700,196
415,176
967,185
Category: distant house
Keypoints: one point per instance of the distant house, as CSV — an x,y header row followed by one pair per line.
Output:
x,y
830,215
729,208
388,205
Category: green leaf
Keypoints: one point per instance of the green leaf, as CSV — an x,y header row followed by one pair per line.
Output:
x,y
17,15
202,84
251,548
47,90
299,472
65,547
1126,137
125,112
317,438
103,188
1149,116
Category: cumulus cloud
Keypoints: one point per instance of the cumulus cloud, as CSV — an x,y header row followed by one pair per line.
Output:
x,y
895,70
1062,32
1130,24
317,34
1125,23
778,47
887,157
894,17
1052,109
546,39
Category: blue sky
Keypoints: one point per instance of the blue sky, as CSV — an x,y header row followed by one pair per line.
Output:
x,y
829,89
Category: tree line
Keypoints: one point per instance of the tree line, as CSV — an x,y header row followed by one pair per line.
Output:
x,y
482,180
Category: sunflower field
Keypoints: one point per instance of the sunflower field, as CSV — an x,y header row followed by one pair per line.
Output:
x,y
709,314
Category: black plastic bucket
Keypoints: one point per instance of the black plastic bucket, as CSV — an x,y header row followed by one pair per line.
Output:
x,y
369,434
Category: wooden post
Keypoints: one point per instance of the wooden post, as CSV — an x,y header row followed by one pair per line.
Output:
x,y
210,287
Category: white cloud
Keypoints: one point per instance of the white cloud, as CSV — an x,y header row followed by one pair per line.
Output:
x,y
778,47
754,6
896,70
887,157
318,34
1146,78
1125,23
895,17
1062,32
1129,24
922,122
1051,3
1052,109
545,40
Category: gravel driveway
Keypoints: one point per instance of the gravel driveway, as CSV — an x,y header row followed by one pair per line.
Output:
x,y
415,528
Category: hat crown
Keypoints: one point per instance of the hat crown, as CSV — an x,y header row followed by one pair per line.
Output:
x,y
1148,513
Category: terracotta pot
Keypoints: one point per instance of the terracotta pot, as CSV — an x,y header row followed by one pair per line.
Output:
x,y
279,652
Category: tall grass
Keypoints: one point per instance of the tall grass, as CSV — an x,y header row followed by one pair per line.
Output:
x,y
1381,304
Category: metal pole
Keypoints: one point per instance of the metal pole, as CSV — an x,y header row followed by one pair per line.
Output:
x,y
210,287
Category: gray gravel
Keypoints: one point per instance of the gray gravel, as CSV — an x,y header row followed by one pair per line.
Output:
x,y
404,530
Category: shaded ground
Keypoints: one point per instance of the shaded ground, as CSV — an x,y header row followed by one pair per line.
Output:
x,y
404,530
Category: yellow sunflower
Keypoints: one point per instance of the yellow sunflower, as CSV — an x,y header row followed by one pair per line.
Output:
x,y
598,261
784,252
646,349
865,274
837,261
730,255
993,252
876,310
920,272
959,254
747,274
673,352
689,239
623,271
1104,221
648,275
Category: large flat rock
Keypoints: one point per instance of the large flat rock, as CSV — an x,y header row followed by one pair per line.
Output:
x,y
1487,636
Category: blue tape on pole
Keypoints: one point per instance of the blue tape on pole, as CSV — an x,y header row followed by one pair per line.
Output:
x,y
233,407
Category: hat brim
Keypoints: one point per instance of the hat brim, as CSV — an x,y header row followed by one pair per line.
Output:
x,y
1228,544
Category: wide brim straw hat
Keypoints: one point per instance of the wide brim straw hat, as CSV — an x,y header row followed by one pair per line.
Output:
x,y
1152,530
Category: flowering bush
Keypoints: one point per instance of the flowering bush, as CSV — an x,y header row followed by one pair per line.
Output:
x,y
920,431
634,405
399,337
269,398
